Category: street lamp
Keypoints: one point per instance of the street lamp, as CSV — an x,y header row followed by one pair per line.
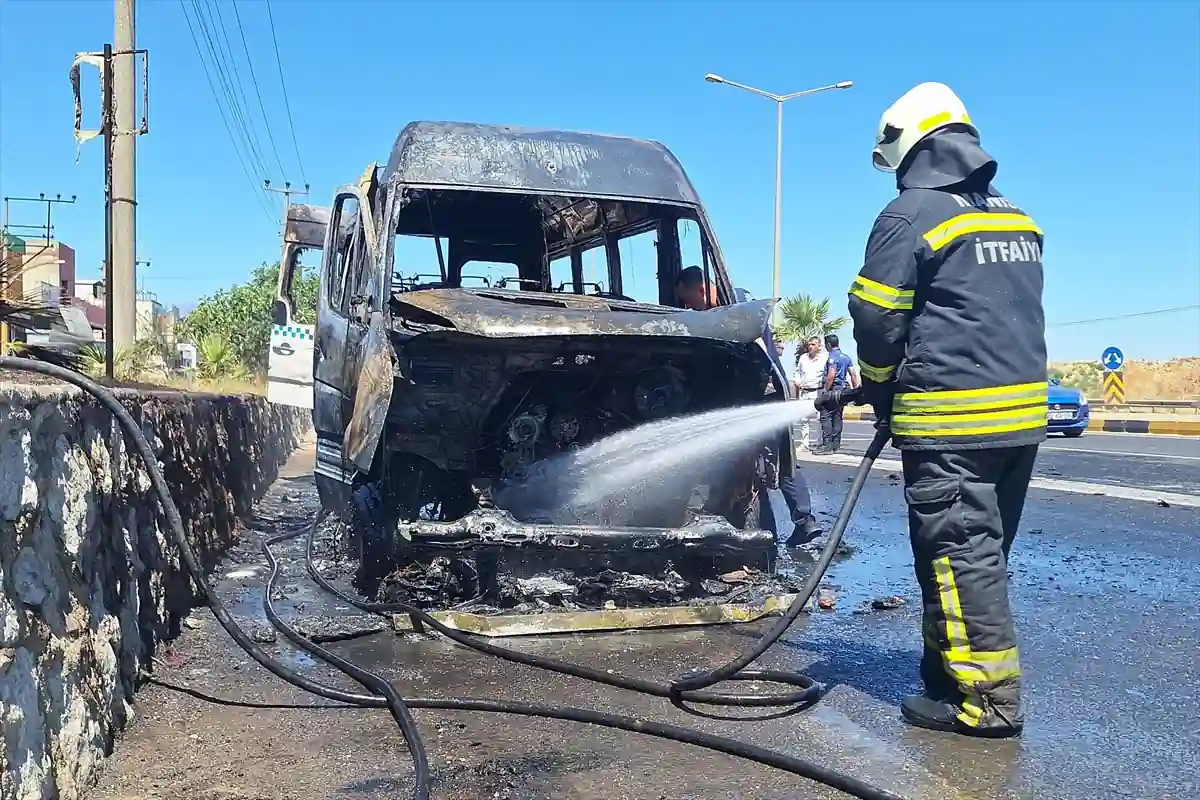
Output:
x,y
779,99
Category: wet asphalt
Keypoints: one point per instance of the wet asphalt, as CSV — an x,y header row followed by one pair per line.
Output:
x,y
1145,461
1107,598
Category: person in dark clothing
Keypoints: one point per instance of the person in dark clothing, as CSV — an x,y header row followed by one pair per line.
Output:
x,y
839,374
793,487
950,330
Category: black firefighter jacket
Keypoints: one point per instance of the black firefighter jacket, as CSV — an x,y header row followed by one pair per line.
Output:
x,y
948,305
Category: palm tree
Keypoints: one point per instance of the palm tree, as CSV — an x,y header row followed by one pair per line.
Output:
x,y
802,317
218,359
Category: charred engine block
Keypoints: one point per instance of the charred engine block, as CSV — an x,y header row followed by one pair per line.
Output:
x,y
564,410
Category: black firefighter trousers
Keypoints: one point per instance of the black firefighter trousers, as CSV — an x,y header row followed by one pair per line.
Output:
x,y
963,511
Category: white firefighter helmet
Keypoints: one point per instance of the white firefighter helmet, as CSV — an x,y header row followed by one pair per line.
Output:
x,y
921,111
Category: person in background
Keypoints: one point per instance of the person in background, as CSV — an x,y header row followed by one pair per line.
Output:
x,y
839,374
793,487
808,380
690,290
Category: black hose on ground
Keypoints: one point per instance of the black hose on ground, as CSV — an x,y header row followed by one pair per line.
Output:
x,y
387,696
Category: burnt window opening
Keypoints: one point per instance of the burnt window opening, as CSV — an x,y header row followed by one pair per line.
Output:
x,y
613,249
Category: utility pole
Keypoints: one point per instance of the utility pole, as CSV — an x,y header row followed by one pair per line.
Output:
x,y
48,228
122,291
118,110
287,191
8,275
109,123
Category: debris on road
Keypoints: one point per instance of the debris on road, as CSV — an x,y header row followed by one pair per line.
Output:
x,y
887,603
826,598
443,582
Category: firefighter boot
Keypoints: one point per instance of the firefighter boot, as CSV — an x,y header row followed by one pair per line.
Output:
x,y
994,713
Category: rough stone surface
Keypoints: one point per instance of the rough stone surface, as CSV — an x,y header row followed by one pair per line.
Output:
x,y
91,583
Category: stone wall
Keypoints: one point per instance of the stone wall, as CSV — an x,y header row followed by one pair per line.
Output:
x,y
91,582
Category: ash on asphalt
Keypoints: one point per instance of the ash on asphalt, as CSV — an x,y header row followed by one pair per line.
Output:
x,y
1105,595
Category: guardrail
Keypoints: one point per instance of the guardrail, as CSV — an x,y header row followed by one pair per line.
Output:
x,y
1154,406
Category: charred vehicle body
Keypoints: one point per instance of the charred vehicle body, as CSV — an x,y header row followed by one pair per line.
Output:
x,y
492,300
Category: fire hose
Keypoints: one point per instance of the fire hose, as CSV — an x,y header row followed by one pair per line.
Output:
x,y
383,694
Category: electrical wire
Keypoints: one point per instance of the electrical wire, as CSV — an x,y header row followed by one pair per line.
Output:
x,y
384,694
211,32
257,91
239,85
254,187
283,85
1154,313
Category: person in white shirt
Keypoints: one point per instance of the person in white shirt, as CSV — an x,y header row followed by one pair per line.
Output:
x,y
808,379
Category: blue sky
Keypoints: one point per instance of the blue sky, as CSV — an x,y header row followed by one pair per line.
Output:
x,y
1091,108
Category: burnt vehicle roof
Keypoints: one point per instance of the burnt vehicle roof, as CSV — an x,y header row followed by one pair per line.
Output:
x,y
538,161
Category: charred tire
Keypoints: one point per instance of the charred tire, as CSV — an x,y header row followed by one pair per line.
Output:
x,y
372,537
753,511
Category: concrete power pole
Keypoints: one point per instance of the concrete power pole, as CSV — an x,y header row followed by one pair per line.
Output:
x,y
287,191
122,294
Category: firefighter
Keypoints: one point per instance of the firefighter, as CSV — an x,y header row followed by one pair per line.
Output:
x,y
948,319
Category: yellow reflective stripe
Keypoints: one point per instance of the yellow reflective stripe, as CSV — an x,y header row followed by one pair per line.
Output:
x,y
877,374
881,294
970,667
981,405
971,714
967,666
936,119
978,222
1014,390
976,424
956,626
995,398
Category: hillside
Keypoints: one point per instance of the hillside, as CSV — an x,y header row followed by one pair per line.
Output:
x,y
1178,379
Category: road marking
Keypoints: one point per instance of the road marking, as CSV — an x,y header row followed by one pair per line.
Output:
x,y
1116,452
1052,484
1055,449
1090,433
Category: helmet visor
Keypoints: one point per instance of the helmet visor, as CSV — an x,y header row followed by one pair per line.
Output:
x,y
881,163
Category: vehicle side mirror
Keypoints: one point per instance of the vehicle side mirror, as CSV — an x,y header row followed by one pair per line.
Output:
x,y
279,313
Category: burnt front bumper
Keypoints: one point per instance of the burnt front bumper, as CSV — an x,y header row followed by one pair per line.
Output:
x,y
493,527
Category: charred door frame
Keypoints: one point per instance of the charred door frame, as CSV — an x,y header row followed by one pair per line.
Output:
x,y
338,336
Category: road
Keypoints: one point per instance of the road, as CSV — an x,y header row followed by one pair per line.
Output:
x,y
1147,461
1105,592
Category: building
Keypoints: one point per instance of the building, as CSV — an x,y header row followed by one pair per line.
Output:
x,y
152,317
46,273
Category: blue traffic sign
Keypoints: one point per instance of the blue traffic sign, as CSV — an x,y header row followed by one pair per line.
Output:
x,y
1112,359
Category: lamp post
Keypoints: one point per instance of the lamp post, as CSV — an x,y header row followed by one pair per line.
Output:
x,y
779,99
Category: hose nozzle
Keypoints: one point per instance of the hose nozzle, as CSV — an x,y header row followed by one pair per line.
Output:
x,y
836,398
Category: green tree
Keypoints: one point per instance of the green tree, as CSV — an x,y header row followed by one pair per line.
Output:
x,y
802,317
241,314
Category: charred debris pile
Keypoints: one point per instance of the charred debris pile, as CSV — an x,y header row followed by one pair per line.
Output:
x,y
476,586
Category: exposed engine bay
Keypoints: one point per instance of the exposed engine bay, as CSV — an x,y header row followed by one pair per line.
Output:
x,y
479,444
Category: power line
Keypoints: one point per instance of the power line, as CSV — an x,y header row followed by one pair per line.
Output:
x,y
287,105
258,92
237,129
212,38
1125,316
238,84
258,195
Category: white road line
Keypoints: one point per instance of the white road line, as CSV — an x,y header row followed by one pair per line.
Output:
x,y
1089,433
1118,453
1056,449
1073,487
